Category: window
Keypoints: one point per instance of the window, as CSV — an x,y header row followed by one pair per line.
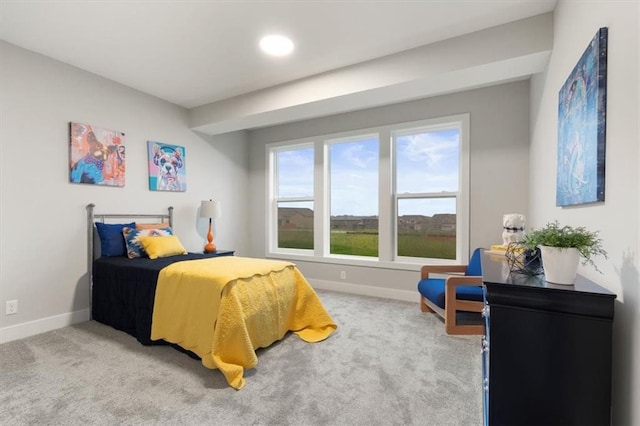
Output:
x,y
293,197
353,177
387,196
427,186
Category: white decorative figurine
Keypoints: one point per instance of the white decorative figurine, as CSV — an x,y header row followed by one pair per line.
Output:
x,y
512,228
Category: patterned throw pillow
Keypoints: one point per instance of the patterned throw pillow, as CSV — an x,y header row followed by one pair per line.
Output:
x,y
132,238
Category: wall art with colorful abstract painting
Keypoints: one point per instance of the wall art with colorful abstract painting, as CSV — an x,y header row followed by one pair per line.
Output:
x,y
97,155
582,127
167,167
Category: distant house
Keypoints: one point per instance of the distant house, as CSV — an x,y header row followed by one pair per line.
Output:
x,y
302,218
413,222
350,223
443,224
438,224
295,218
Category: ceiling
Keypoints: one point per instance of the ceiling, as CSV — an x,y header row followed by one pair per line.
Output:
x,y
193,53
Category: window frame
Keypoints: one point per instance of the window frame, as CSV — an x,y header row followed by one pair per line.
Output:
x,y
327,143
461,196
387,199
274,198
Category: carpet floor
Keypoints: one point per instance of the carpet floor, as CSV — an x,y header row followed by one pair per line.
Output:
x,y
387,364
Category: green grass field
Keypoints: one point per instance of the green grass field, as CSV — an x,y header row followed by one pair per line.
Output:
x,y
366,244
436,247
295,238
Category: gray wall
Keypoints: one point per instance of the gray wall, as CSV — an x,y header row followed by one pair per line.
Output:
x,y
499,161
42,223
617,217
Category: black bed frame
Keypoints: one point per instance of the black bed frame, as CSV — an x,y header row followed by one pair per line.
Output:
x,y
93,249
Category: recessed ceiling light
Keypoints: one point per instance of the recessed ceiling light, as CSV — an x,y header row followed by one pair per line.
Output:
x,y
276,45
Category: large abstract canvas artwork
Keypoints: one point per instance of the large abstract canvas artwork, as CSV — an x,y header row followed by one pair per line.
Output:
x,y
167,167
582,128
96,155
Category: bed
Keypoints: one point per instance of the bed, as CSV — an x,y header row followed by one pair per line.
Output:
x,y
217,309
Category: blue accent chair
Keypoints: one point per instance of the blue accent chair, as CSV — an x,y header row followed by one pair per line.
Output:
x,y
459,291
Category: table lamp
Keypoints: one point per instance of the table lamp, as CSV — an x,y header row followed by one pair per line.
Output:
x,y
210,209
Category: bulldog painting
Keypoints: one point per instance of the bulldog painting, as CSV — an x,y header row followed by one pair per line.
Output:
x,y
167,170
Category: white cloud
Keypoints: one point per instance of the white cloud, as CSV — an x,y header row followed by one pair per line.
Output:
x,y
428,148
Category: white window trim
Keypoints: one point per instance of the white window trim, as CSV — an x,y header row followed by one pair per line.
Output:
x,y
326,143
461,196
387,198
272,210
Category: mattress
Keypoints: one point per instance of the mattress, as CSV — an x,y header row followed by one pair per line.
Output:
x,y
124,290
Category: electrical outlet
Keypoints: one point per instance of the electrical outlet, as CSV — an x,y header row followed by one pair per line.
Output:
x,y
12,307
343,275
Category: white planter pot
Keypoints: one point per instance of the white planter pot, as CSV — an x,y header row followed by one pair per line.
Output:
x,y
560,264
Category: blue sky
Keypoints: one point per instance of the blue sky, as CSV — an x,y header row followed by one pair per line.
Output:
x,y
295,173
354,178
426,162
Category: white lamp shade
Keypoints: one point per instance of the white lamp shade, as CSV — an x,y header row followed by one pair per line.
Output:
x,y
210,209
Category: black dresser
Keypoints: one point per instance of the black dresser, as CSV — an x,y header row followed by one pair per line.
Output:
x,y
547,349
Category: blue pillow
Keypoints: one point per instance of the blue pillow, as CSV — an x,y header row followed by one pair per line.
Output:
x,y
111,238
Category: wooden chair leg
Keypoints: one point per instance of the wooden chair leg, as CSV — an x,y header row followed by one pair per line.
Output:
x,y
423,306
450,309
466,330
452,305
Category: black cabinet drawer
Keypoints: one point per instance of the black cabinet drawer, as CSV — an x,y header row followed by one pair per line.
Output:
x,y
547,350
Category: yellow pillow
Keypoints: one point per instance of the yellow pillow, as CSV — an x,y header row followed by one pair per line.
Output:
x,y
162,246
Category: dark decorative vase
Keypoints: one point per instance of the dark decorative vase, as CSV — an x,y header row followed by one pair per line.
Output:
x,y
523,260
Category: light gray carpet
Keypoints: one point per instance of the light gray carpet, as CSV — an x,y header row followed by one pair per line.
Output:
x,y
388,364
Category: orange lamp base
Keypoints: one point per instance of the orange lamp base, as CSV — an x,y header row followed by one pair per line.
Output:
x,y
210,247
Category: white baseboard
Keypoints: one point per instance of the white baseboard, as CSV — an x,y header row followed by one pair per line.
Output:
x,y
366,290
20,331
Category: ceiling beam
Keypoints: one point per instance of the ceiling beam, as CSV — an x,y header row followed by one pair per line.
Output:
x,y
492,56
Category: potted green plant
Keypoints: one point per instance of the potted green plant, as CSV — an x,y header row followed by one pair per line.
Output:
x,y
561,248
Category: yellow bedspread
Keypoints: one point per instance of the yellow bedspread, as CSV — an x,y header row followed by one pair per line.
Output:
x,y
224,308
